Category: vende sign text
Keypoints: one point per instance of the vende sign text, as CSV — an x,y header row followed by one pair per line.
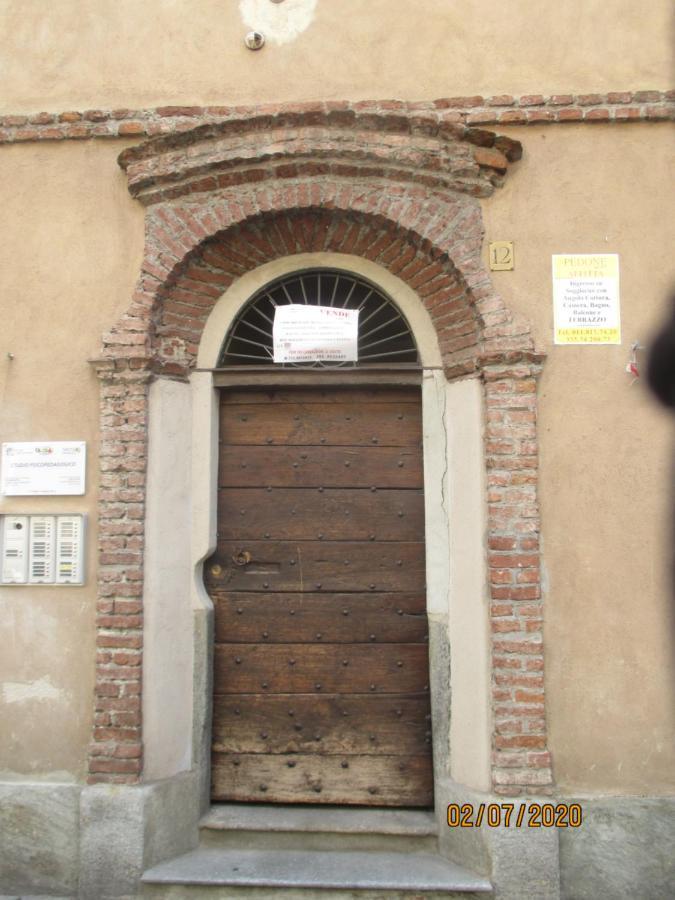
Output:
x,y
315,334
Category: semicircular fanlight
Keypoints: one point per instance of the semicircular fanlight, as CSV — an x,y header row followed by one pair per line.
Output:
x,y
384,335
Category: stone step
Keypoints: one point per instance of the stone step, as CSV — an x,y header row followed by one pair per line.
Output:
x,y
318,828
216,873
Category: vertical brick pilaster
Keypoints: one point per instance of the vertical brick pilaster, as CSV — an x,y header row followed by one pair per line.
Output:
x,y
116,749
521,762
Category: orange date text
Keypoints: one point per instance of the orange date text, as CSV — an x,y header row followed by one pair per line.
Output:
x,y
512,815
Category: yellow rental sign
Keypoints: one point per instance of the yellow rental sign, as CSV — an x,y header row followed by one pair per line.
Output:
x,y
586,308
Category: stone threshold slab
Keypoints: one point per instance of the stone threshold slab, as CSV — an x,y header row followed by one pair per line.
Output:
x,y
348,870
235,817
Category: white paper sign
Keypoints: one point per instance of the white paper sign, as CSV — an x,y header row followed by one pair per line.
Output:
x,y
315,333
38,468
586,298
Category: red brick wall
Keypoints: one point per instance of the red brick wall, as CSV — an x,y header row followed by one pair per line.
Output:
x,y
115,753
520,758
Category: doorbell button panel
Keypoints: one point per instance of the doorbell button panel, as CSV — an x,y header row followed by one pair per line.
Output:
x,y
39,549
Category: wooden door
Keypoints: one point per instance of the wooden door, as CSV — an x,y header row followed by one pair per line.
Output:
x,y
321,673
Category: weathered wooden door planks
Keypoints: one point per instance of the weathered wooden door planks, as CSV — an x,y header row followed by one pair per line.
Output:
x,y
321,683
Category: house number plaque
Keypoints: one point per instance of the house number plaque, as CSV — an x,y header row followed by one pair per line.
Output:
x,y
501,256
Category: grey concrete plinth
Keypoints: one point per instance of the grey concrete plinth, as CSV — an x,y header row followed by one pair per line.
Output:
x,y
624,849
125,829
112,840
346,871
525,863
522,863
39,825
64,840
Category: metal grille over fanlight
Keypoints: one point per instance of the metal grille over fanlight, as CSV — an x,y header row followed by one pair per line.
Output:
x,y
384,335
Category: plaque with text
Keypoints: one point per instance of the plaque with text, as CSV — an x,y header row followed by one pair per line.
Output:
x,y
43,468
586,298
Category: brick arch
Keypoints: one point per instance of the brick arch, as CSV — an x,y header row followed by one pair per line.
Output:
x,y
187,302
212,217
186,267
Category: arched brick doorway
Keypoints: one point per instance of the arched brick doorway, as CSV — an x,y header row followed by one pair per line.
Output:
x,y
213,219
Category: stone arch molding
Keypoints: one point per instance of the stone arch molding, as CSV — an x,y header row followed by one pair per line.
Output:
x,y
400,191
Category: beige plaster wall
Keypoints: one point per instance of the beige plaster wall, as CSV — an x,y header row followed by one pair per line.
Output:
x,y
69,255
94,53
605,451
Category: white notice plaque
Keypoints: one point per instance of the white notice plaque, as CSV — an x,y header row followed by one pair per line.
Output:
x,y
586,298
39,468
315,333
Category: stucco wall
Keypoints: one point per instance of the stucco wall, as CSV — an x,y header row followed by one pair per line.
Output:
x,y
93,53
71,248
72,240
605,452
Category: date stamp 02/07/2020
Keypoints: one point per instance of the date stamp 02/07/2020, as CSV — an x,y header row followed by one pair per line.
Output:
x,y
508,815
